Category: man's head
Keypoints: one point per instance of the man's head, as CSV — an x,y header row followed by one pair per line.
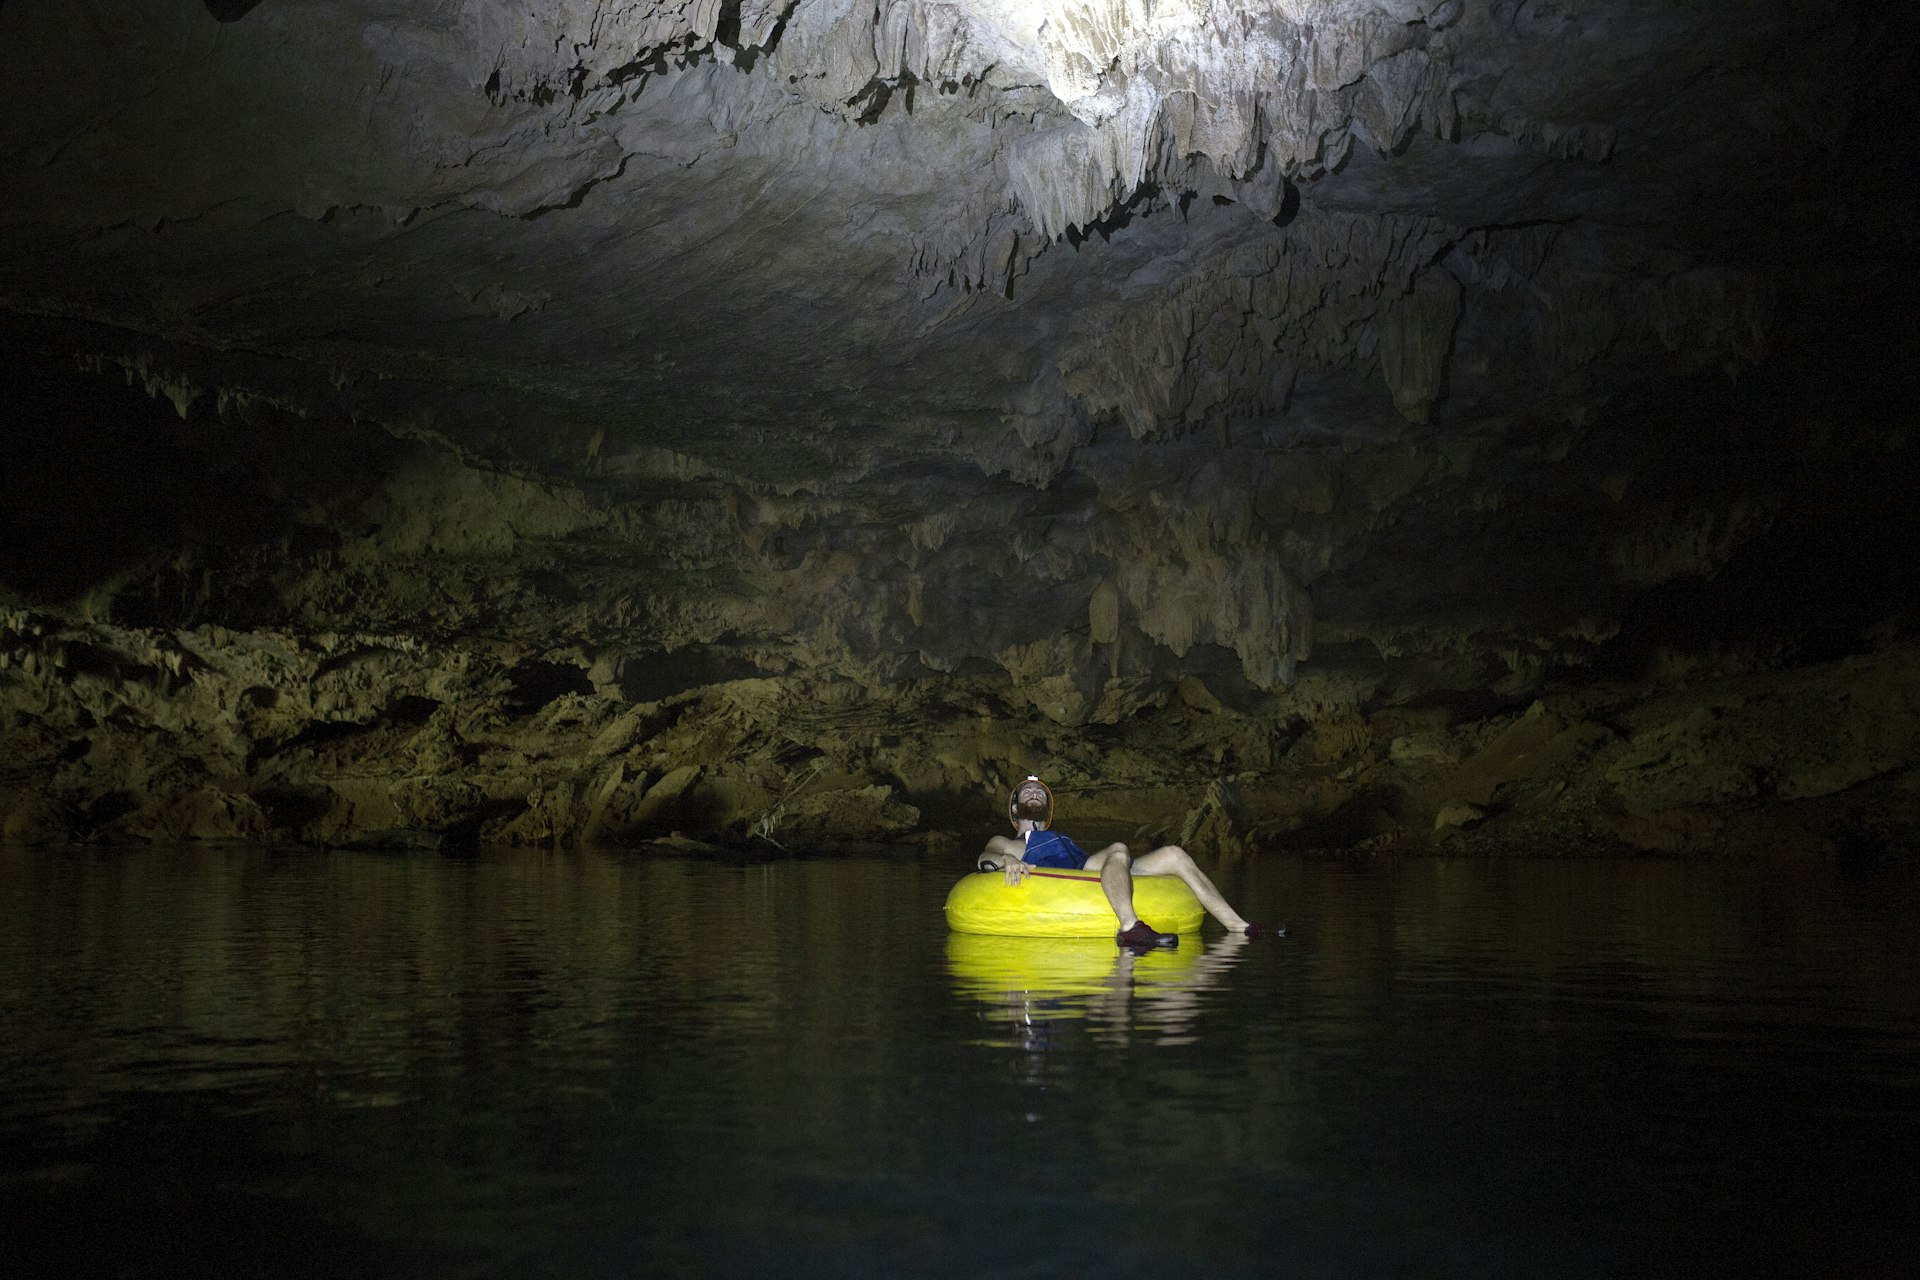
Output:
x,y
1031,802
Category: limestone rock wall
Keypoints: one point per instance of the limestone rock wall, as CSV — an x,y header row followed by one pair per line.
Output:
x,y
396,645
788,420
118,734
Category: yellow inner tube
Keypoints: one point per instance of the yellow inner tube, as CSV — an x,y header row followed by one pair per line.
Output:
x,y
1056,903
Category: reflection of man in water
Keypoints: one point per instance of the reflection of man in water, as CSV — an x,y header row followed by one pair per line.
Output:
x,y
1031,989
1034,844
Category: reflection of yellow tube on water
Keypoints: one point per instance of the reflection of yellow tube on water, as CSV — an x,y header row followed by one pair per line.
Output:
x,y
1065,904
992,968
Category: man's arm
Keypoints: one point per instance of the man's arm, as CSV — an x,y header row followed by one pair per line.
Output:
x,y
1003,854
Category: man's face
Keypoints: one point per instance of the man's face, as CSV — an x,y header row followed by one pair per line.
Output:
x,y
1032,803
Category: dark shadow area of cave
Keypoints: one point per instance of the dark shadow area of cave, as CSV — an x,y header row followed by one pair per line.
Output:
x,y
231,10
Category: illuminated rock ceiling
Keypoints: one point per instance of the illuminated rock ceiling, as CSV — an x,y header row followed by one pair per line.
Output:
x,y
1083,351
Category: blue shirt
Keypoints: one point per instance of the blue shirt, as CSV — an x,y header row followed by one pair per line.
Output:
x,y
1051,849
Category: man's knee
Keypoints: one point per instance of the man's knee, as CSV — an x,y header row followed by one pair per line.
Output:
x,y
1168,856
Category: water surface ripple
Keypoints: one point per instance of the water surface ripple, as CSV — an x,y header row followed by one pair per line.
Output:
x,y
537,1064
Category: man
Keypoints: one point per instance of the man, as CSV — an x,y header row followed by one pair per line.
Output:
x,y
1035,844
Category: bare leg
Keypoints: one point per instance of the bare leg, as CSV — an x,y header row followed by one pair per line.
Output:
x,y
1115,866
1172,860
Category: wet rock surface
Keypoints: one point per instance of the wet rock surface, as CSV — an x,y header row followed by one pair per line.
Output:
x,y
118,733
1327,424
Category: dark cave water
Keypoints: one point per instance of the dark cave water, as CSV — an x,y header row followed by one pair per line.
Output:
x,y
252,1061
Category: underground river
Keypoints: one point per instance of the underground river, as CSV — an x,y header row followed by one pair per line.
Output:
x,y
251,1061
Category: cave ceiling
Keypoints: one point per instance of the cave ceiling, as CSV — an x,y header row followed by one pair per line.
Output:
x,y
918,332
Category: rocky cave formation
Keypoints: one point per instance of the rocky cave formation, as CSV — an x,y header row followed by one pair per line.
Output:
x,y
1403,424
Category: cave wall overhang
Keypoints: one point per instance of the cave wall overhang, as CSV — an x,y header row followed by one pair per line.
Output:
x,y
824,332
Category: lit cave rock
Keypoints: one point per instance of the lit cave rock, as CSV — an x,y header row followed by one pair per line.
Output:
x,y
1479,425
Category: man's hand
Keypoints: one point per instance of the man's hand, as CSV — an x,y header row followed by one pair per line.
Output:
x,y
1003,854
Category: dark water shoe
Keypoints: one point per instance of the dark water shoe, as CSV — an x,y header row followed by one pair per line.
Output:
x,y
1141,936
